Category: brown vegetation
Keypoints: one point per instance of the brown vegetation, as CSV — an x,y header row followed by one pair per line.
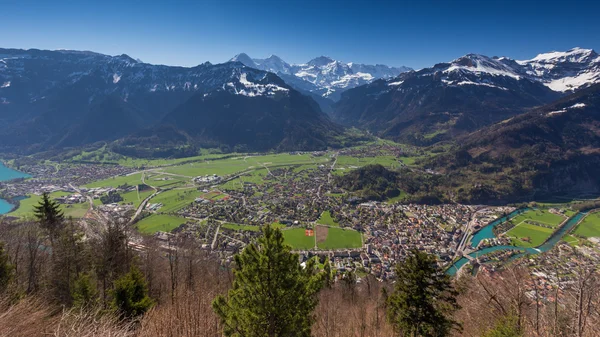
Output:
x,y
184,281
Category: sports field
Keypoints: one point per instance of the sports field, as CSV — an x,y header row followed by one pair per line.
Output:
x,y
528,235
590,226
159,222
337,238
296,238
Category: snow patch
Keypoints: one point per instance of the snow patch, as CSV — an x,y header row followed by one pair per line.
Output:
x,y
557,112
116,78
5,85
255,89
395,83
574,82
577,106
480,83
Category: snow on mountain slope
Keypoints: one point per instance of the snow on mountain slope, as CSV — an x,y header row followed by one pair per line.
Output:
x,y
323,75
565,71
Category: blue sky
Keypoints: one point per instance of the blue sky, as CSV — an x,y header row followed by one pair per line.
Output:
x,y
416,33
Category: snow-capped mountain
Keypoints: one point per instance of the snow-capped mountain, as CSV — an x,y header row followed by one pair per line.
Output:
x,y
465,94
322,76
565,71
440,102
69,98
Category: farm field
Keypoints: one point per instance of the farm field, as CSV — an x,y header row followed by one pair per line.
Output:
x,y
326,219
590,226
296,238
159,222
542,216
528,235
337,238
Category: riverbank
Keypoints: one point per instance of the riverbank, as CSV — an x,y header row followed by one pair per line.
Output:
x,y
556,236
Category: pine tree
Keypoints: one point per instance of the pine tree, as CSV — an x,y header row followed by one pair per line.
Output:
x,y
328,275
272,295
6,269
130,294
423,299
84,292
49,215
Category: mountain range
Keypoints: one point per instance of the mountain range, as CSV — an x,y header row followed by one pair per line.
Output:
x,y
461,96
322,76
57,99
69,98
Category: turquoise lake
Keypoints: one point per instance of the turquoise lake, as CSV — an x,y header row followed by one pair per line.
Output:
x,y
8,174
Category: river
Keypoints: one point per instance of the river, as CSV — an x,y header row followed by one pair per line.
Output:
x,y
552,240
8,174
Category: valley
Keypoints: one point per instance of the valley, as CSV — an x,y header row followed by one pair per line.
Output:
x,y
224,199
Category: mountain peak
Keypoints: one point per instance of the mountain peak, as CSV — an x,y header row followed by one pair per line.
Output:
x,y
574,55
320,61
244,59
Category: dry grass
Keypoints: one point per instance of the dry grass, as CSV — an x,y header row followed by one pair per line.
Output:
x,y
321,233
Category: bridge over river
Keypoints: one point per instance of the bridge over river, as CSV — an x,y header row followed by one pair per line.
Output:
x,y
488,233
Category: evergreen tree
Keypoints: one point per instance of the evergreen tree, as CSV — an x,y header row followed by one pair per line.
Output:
x,y
272,294
506,327
423,299
130,294
84,292
328,274
6,269
69,257
49,215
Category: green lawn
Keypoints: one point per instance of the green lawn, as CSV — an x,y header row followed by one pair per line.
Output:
x,y
132,197
174,200
590,226
348,161
326,219
159,222
536,234
134,179
571,240
26,206
338,238
242,163
538,215
295,237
